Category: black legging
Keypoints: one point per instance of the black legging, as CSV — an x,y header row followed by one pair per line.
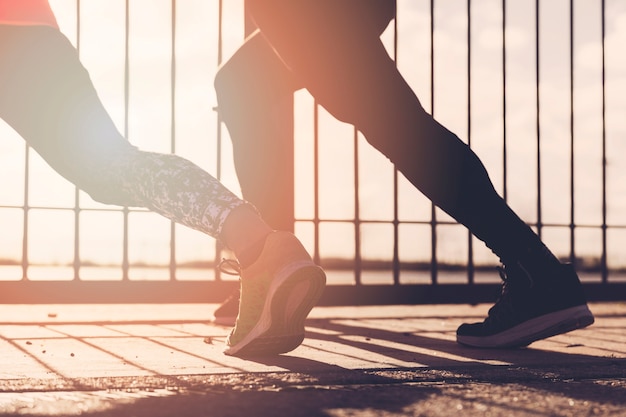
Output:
x,y
333,49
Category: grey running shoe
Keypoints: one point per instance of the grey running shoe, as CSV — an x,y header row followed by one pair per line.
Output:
x,y
278,292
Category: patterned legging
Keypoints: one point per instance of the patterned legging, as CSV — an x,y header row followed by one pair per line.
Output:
x,y
173,187
46,95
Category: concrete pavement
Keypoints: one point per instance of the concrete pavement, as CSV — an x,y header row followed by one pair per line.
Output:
x,y
162,360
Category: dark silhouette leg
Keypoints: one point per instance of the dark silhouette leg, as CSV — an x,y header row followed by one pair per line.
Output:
x,y
347,69
254,92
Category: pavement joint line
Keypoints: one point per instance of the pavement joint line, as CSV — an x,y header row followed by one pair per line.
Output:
x,y
602,369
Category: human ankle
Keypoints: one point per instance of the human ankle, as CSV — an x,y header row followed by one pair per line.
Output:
x,y
244,232
251,253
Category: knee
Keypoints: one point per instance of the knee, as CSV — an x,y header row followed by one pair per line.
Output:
x,y
254,78
236,97
225,83
105,178
238,85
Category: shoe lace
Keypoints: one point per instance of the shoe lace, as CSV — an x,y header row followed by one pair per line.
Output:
x,y
504,307
229,267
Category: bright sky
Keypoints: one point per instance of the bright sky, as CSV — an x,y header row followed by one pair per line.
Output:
x,y
101,43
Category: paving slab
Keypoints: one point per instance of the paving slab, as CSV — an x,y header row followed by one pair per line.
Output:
x,y
399,360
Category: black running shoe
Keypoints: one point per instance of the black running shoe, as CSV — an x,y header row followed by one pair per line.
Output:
x,y
529,310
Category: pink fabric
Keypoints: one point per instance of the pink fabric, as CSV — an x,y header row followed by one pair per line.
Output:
x,y
26,12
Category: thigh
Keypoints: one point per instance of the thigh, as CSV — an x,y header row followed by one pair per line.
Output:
x,y
308,28
334,49
352,15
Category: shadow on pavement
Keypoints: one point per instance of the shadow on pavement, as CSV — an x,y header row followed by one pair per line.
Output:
x,y
413,372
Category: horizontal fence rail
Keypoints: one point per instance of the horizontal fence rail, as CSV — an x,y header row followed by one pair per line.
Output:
x,y
536,88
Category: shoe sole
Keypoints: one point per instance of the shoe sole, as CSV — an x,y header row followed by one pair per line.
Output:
x,y
280,328
530,331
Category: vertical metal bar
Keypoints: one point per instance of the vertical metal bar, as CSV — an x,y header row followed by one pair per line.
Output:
x,y
605,273
358,261
78,26
470,240
572,225
316,185
172,265
396,221
218,133
220,40
76,262
358,256
433,208
26,212
125,211
538,116
504,109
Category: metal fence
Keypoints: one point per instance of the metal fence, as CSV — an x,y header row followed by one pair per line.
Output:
x,y
535,87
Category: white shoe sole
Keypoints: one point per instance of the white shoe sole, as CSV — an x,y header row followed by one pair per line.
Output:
x,y
291,297
541,327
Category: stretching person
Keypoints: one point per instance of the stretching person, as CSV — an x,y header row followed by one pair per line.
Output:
x,y
46,95
333,49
